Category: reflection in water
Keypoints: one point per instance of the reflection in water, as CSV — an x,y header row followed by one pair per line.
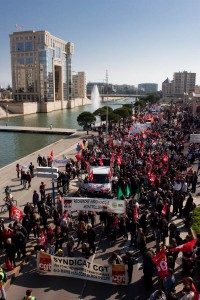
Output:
x,y
13,146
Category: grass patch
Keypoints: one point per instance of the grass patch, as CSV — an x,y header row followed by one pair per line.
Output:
x,y
196,220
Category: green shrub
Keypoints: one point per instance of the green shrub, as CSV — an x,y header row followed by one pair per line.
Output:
x,y
196,220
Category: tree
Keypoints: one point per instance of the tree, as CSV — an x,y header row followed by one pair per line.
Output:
x,y
122,112
129,107
140,104
9,88
85,119
152,98
100,112
109,109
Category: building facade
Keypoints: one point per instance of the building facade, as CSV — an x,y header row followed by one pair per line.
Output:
x,y
79,85
148,87
41,67
167,88
183,82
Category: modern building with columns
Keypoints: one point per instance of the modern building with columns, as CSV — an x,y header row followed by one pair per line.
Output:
x,y
41,67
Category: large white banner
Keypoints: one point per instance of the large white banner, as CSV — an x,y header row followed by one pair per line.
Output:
x,y
79,267
94,204
60,162
138,128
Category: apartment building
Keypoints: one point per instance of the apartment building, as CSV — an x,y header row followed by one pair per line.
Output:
x,y
79,85
41,66
184,82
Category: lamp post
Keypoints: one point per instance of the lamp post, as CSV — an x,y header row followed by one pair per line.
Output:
x,y
6,110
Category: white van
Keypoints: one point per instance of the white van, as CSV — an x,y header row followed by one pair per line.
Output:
x,y
99,181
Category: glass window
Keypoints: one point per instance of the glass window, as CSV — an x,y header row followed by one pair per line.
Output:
x,y
26,38
19,46
28,46
58,52
20,61
30,37
29,61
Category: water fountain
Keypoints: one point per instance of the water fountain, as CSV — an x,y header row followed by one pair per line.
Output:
x,y
95,97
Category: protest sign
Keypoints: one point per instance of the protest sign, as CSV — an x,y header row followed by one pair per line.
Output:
x,y
94,204
81,268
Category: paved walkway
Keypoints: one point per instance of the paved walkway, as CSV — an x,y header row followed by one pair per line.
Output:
x,y
47,130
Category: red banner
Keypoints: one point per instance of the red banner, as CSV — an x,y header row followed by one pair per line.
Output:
x,y
16,213
161,263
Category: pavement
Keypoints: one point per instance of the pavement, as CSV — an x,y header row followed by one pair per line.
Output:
x,y
52,287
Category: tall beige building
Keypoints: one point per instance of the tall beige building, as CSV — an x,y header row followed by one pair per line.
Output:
x,y
41,66
79,85
183,82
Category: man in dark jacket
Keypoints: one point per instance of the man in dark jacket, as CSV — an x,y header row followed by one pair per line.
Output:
x,y
91,235
20,242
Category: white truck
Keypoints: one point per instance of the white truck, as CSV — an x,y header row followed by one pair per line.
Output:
x,y
98,182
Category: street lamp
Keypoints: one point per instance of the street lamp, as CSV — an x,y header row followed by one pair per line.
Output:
x,y
6,110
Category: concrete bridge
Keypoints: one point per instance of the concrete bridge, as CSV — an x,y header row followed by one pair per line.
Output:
x,y
116,96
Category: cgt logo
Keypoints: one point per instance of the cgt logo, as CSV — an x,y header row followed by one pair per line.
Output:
x,y
45,264
118,274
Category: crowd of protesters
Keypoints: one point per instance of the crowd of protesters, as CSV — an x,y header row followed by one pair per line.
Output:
x,y
152,171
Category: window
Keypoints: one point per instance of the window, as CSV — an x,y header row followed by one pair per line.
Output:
x,y
20,61
28,46
29,61
57,52
19,46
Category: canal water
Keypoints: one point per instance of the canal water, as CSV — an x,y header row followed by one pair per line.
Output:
x,y
13,146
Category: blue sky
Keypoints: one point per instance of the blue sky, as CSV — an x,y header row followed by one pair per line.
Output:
x,y
135,40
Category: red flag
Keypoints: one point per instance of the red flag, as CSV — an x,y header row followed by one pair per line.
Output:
x,y
112,159
187,247
196,296
87,166
165,158
90,177
135,213
51,156
161,263
152,178
164,210
42,238
78,156
150,159
101,160
16,213
119,160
